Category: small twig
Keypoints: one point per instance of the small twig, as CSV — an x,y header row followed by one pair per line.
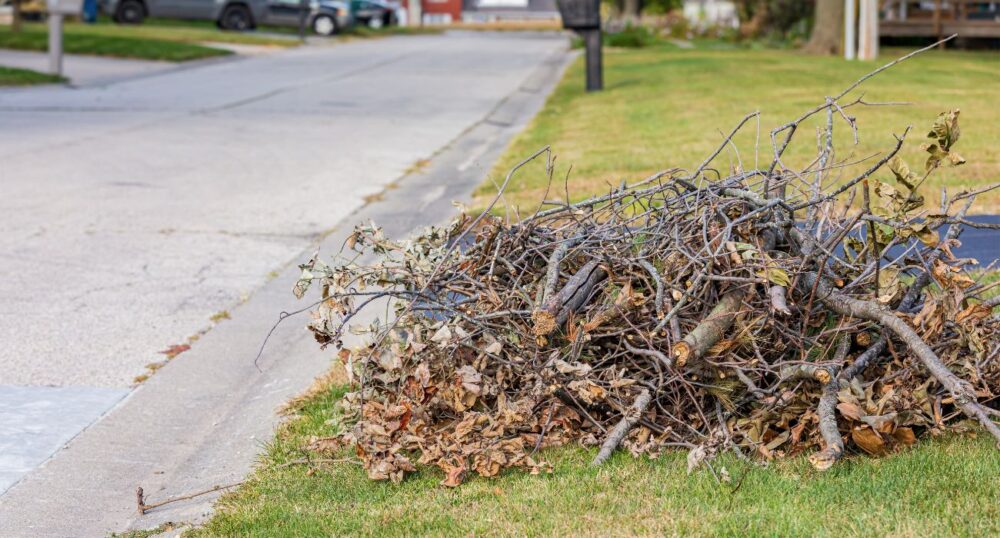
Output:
x,y
143,507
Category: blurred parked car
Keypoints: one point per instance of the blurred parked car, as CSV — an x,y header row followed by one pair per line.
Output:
x,y
373,13
31,10
325,17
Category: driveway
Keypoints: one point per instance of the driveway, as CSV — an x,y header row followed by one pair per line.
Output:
x,y
137,216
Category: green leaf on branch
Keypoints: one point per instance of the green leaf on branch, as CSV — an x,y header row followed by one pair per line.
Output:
x,y
938,156
884,233
945,129
925,234
853,248
776,276
946,132
903,173
889,288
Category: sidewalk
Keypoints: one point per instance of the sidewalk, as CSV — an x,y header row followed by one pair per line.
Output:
x,y
85,70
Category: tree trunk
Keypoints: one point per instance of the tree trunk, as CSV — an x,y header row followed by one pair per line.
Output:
x,y
631,11
828,28
15,17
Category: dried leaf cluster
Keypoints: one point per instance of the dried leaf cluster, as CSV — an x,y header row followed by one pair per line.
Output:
x,y
766,311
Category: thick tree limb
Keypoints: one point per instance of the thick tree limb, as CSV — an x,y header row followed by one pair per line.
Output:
x,y
806,371
779,300
842,304
621,429
556,310
827,412
711,329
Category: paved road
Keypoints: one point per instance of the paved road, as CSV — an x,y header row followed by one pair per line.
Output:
x,y
132,213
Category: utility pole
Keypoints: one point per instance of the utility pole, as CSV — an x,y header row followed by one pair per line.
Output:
x,y
303,8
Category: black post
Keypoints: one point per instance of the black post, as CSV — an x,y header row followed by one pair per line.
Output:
x,y
584,18
303,11
595,71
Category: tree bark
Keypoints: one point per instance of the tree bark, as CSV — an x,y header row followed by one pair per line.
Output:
x,y
828,28
827,413
631,11
960,390
15,17
711,329
629,420
557,308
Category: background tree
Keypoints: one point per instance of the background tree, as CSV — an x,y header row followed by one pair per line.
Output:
x,y
760,18
828,27
630,11
15,16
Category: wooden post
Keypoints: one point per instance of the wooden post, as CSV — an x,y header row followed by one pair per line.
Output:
x,y
937,21
868,30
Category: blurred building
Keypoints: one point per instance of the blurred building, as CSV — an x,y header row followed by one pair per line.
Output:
x,y
704,14
499,10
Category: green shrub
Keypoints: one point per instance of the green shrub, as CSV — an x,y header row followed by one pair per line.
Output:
x,y
632,37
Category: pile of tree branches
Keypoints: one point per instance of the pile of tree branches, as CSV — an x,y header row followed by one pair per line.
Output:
x,y
764,311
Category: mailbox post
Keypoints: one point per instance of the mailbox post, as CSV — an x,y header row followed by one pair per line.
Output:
x,y
57,10
584,18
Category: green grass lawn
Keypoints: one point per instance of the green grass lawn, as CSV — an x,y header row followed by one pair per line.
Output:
x,y
665,107
184,31
81,40
168,39
943,487
10,76
156,39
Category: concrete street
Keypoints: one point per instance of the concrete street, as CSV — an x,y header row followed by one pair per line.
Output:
x,y
131,214
134,213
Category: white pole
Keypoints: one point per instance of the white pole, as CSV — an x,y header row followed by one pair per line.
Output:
x,y
416,12
850,24
868,30
873,29
55,43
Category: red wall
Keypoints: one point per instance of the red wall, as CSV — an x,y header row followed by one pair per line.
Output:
x,y
445,6
434,7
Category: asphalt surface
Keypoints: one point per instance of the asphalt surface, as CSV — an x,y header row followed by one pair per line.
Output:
x,y
132,213
981,244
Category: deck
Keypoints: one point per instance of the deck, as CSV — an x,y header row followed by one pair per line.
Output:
x,y
939,18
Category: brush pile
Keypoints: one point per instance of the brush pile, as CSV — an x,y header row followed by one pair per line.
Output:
x,y
763,311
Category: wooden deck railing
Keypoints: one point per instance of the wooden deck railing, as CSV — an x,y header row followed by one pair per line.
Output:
x,y
938,18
